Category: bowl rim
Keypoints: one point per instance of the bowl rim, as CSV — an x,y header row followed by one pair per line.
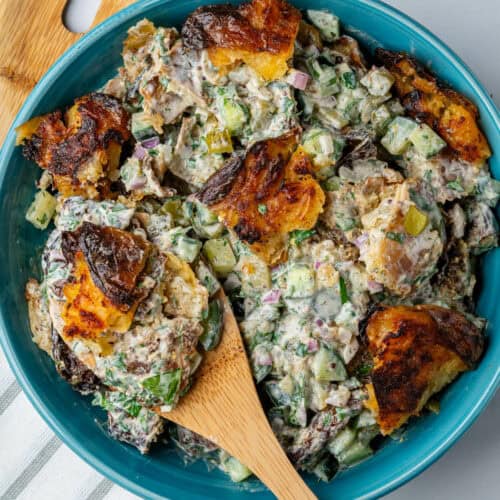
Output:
x,y
13,360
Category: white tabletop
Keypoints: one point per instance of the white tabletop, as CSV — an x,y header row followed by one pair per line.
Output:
x,y
38,466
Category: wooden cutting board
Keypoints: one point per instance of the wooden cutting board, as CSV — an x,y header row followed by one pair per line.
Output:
x,y
32,37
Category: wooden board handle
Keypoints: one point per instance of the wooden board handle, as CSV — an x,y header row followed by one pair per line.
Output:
x,y
32,37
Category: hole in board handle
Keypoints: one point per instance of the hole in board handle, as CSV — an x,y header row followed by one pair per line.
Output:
x,y
78,15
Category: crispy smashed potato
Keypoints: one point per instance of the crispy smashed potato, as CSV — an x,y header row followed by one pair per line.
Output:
x,y
450,114
266,195
417,350
82,149
260,33
103,294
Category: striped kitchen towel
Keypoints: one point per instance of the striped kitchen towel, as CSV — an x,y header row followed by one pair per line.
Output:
x,y
34,464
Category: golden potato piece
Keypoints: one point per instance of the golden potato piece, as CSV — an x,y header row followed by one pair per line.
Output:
x,y
266,195
450,114
81,149
103,293
260,33
416,352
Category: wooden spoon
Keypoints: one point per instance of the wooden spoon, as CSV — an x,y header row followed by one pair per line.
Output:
x,y
223,406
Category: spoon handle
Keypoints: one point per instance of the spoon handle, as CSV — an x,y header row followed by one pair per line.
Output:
x,y
224,407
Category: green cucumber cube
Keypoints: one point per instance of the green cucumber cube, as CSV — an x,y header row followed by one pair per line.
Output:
x,y
42,210
378,81
426,141
328,367
142,128
220,255
397,138
299,281
327,24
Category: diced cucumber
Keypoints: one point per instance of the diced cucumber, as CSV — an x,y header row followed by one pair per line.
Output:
x,y
324,148
299,281
260,372
365,419
206,277
328,367
348,103
378,81
212,326
380,118
174,207
205,222
325,76
186,248
354,454
343,440
326,469
204,215
331,184
41,210
327,24
346,76
278,396
307,104
366,434
233,114
426,141
220,255
332,117
236,470
397,138
142,127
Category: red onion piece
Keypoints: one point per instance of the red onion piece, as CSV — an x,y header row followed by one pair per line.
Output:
x,y
138,183
298,79
312,345
139,152
272,297
151,142
361,240
263,359
374,286
317,264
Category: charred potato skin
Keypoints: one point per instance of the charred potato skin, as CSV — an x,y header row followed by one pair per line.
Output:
x,y
274,173
115,258
450,114
62,144
246,32
416,350
261,25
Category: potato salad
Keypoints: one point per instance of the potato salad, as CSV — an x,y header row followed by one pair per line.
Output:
x,y
340,199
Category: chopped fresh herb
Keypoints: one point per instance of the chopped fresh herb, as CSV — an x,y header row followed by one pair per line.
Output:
x,y
262,209
456,186
349,79
132,407
331,184
301,350
364,369
153,152
344,296
298,236
164,385
399,237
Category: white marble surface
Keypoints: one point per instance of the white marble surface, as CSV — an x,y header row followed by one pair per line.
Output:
x,y
471,469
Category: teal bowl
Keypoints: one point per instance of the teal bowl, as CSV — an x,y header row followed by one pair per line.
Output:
x,y
86,66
